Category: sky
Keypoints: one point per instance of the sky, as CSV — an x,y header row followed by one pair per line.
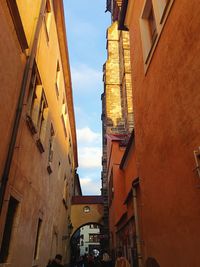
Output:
x,y
86,25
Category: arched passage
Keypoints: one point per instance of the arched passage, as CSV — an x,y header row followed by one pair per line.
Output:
x,y
86,210
86,240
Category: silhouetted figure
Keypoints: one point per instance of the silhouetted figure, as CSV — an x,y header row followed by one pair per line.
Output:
x,y
97,262
106,260
56,262
121,261
90,260
151,262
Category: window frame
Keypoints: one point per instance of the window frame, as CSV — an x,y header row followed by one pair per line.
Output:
x,y
197,161
47,18
34,85
16,18
148,39
37,240
37,108
42,121
9,229
94,238
51,151
163,8
161,12
57,82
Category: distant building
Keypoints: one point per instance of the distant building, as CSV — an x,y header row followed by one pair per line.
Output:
x,y
89,239
38,156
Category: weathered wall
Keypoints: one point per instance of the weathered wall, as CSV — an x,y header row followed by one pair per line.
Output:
x,y
79,217
112,81
166,108
11,71
116,187
40,194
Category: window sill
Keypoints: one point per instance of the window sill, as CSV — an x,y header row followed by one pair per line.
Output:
x,y
57,89
49,168
40,146
47,32
31,125
165,11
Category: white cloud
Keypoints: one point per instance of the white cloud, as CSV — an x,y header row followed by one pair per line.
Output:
x,y
85,78
87,136
89,157
90,186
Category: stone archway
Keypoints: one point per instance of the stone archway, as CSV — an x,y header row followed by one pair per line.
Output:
x,y
86,210
151,262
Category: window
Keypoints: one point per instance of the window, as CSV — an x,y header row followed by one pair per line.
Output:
x,y
37,108
148,29
57,78
64,109
86,209
8,230
37,242
153,18
42,121
94,238
94,226
197,160
51,141
162,5
65,194
111,188
59,169
12,5
70,142
35,89
50,156
64,122
152,25
69,159
41,115
47,18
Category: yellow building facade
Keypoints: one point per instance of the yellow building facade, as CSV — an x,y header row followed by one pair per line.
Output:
x,y
117,82
117,99
38,157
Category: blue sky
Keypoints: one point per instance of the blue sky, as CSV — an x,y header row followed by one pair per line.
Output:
x,y
86,24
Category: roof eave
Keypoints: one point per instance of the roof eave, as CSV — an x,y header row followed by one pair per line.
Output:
x,y
122,16
61,29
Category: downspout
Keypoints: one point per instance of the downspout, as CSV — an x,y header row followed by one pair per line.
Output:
x,y
138,240
25,84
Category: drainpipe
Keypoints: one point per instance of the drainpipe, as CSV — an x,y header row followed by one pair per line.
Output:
x,y
138,240
25,83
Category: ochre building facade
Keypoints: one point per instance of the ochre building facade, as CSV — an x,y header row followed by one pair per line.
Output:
x,y
38,157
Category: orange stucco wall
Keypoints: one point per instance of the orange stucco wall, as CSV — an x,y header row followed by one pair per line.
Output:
x,y
115,154
166,103
116,206
130,168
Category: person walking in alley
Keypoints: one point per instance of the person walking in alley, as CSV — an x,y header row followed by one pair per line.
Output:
x,y
106,260
56,262
121,261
